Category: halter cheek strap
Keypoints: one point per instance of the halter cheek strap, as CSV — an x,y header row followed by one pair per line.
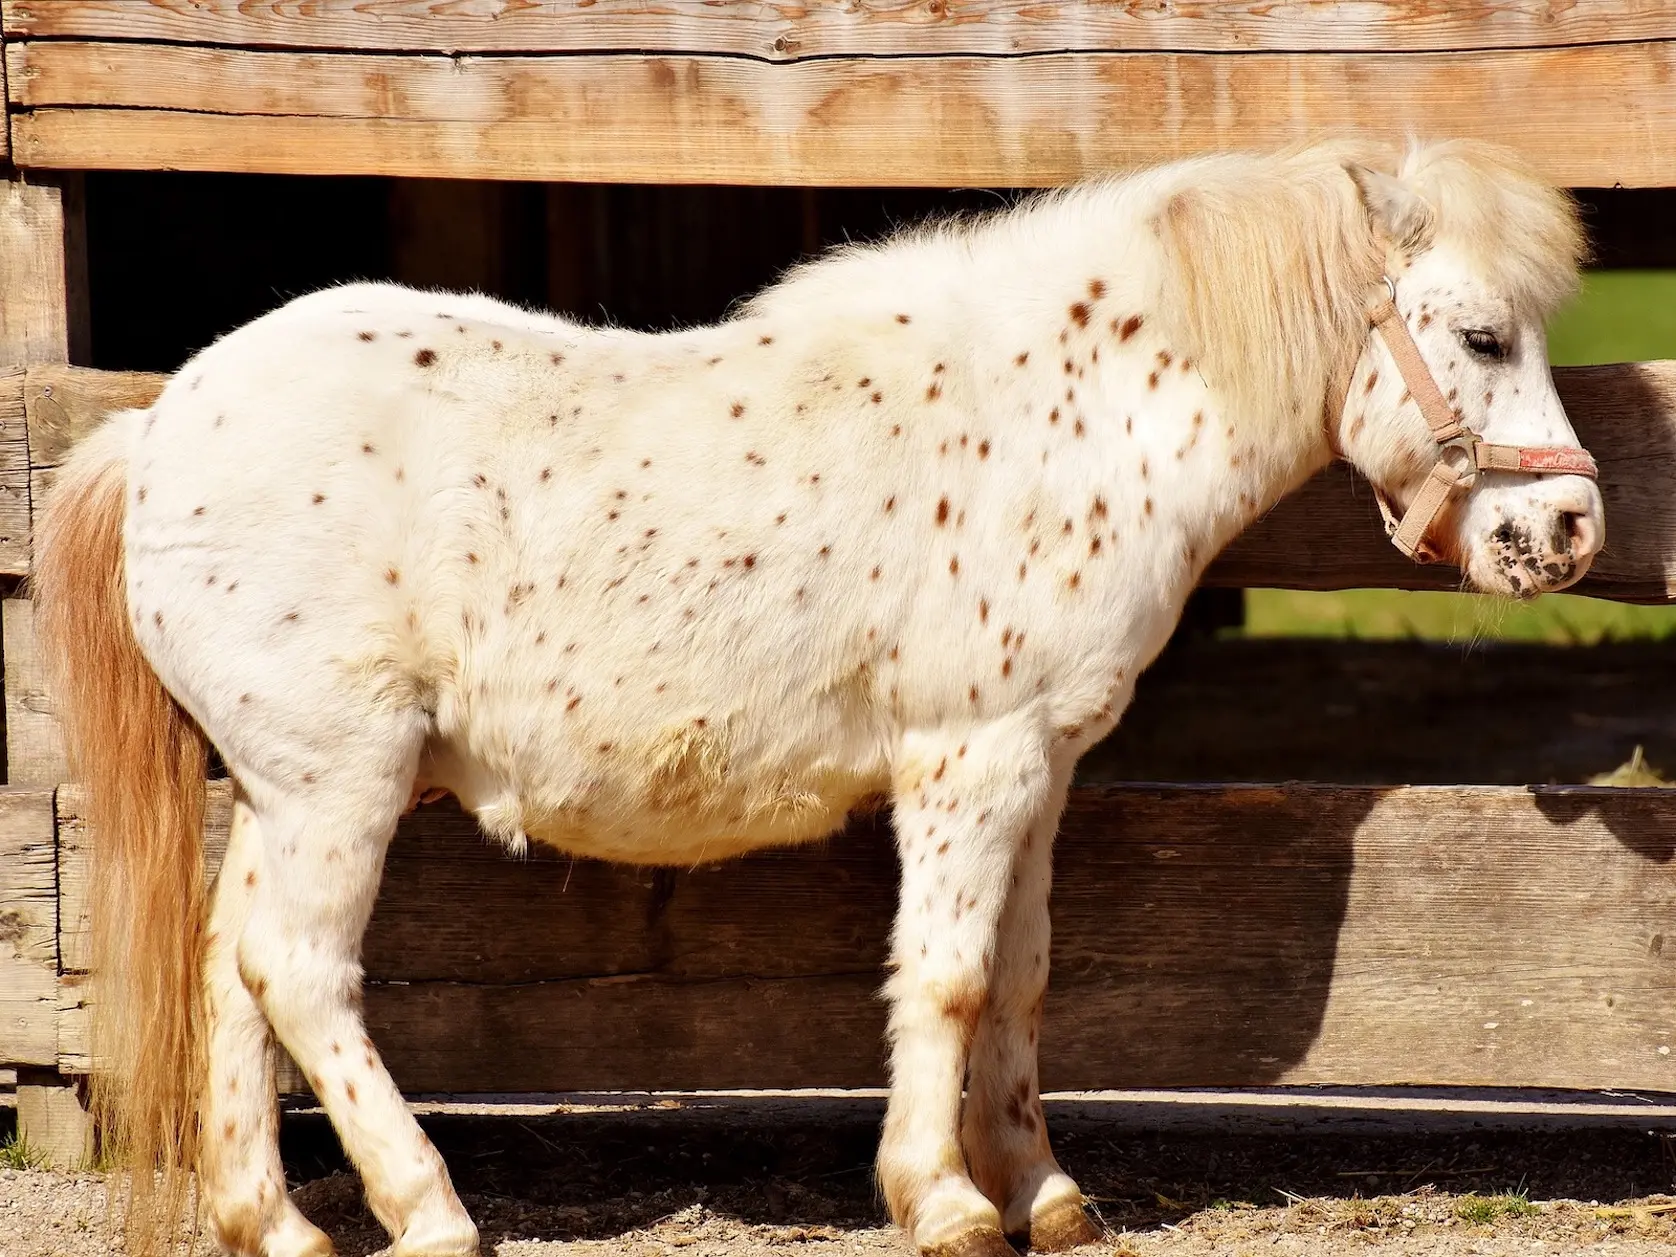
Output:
x,y
1462,454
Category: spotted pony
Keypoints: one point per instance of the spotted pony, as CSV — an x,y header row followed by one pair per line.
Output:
x,y
910,523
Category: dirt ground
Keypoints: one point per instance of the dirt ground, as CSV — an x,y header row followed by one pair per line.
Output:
x,y
719,1180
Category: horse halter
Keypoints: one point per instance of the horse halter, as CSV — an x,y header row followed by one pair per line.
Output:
x,y
1462,453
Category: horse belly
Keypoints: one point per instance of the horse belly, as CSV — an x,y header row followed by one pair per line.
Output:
x,y
683,765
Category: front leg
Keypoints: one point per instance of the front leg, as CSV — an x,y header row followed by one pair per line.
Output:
x,y
1003,1132
963,801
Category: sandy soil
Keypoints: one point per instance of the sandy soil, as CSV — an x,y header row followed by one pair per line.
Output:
x,y
721,1183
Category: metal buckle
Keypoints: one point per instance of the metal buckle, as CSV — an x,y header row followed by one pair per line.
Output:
x,y
1466,445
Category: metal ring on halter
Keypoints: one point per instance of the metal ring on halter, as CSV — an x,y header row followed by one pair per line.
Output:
x,y
1390,287
1466,444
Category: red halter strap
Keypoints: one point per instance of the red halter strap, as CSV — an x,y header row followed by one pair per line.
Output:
x,y
1462,453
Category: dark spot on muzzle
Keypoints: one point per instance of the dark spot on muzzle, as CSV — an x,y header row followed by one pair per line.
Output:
x,y
1527,567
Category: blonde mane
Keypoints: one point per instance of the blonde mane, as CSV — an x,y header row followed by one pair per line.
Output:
x,y
1264,261
1270,260
1518,231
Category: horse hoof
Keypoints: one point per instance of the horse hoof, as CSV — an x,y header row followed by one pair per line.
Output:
x,y
979,1241
1061,1226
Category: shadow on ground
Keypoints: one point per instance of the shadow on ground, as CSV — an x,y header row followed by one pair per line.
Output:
x,y
597,1176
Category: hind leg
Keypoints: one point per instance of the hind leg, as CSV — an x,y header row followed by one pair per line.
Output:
x,y
1003,1133
323,844
240,1176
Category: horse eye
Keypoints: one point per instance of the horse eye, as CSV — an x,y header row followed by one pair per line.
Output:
x,y
1483,343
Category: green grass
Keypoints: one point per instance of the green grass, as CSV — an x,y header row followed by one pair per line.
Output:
x,y
16,1154
1619,316
1482,1210
1384,614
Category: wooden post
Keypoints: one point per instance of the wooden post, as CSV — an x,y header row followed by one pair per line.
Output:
x,y
52,1119
43,319
43,270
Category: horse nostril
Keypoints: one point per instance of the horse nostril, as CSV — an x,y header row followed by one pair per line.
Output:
x,y
1584,536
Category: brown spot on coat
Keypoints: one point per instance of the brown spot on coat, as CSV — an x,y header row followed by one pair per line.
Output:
x,y
942,512
1079,314
1128,327
424,358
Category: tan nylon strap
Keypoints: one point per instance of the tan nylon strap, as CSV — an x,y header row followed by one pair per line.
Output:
x,y
1440,415
1411,531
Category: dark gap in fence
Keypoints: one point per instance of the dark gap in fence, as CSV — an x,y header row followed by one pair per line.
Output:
x,y
176,259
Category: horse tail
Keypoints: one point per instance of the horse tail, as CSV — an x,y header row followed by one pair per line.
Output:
x,y
142,762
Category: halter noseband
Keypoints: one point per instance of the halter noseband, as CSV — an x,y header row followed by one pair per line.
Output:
x,y
1462,452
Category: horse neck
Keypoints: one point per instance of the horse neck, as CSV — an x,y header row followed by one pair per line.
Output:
x,y
1111,412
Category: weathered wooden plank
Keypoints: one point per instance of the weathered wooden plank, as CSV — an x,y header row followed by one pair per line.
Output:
x,y
34,745
897,121
64,404
1204,936
34,301
14,475
5,116
827,28
1344,711
1326,536
53,1121
28,928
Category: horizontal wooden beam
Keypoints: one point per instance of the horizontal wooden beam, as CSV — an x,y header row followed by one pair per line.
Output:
x,y
1254,709
1326,536
914,121
1204,936
825,28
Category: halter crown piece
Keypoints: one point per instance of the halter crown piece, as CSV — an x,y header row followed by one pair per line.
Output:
x,y
1462,453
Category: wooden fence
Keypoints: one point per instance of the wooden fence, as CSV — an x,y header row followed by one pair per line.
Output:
x,y
1234,934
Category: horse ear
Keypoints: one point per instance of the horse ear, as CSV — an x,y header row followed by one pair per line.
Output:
x,y
1399,214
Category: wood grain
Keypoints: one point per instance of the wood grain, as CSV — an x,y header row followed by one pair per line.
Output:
x,y
34,303
34,744
64,404
28,929
1205,936
14,474
52,1120
1326,536
827,28
5,122
942,121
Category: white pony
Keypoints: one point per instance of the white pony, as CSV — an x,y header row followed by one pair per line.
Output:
x,y
910,524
